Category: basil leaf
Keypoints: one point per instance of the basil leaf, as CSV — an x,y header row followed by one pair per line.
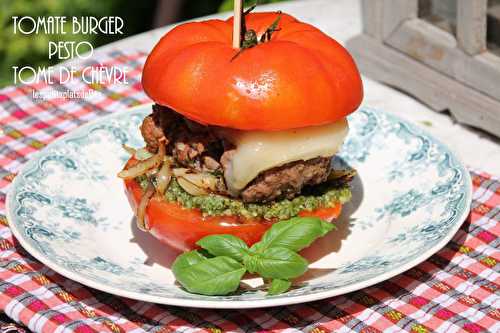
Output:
x,y
294,234
187,259
210,276
224,245
276,263
278,286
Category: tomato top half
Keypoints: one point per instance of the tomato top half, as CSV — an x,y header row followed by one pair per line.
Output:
x,y
300,77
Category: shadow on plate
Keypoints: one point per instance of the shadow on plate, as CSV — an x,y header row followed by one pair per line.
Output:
x,y
333,241
156,251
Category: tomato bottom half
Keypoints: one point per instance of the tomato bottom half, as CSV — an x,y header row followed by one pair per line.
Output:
x,y
181,227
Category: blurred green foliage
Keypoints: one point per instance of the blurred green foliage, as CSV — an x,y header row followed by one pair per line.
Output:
x,y
33,50
23,50
229,4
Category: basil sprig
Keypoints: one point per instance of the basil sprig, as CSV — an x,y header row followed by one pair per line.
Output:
x,y
208,276
278,287
224,245
276,263
294,234
228,258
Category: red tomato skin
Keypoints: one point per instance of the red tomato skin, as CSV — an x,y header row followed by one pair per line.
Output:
x,y
181,228
301,77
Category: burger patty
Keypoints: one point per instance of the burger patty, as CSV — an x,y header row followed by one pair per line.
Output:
x,y
287,181
195,146
192,145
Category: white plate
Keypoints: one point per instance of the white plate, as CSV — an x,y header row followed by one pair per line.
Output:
x,y
68,209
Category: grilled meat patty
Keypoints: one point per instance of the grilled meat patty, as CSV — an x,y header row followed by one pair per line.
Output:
x,y
287,181
192,145
197,147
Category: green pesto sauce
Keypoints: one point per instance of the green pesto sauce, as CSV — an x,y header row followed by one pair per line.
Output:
x,y
217,205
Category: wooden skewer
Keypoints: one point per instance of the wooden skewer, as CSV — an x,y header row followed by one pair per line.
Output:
x,y
238,13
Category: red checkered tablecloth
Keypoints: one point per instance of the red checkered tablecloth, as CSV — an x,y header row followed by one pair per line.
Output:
x,y
456,290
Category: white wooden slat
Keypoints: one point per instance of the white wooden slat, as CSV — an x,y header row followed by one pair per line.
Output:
x,y
382,17
438,49
426,43
372,12
440,91
471,25
395,12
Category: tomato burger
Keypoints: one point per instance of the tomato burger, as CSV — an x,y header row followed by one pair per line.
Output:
x,y
240,139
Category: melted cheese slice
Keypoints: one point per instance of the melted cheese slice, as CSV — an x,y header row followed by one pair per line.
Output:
x,y
257,151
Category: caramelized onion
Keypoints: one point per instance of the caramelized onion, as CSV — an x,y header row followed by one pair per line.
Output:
x,y
143,204
179,172
202,180
143,166
129,149
190,187
163,177
142,154
341,176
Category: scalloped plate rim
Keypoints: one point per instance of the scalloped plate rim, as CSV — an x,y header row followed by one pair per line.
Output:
x,y
238,304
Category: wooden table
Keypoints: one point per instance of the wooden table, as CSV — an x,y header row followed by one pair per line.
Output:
x,y
342,20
